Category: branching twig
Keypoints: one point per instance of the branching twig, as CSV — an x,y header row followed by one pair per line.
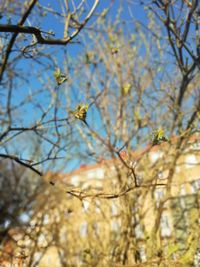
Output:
x,y
12,41
38,33
21,162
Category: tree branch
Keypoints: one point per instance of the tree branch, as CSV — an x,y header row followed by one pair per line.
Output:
x,y
12,41
38,33
18,160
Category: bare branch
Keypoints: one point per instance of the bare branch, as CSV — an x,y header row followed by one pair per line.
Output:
x,y
38,33
12,41
21,162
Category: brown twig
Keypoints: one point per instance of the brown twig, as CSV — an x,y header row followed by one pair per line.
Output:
x,y
12,41
21,162
38,33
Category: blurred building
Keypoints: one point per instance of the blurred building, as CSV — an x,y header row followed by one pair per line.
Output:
x,y
96,216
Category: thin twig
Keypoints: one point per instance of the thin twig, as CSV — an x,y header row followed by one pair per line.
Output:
x,y
18,160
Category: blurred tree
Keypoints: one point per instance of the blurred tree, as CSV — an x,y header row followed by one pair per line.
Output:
x,y
18,190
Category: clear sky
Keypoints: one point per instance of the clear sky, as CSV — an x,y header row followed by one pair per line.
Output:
x,y
36,75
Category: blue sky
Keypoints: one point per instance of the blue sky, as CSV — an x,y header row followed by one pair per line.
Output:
x,y
52,23
28,67
33,71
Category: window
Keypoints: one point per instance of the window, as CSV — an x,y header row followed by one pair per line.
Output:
x,y
95,227
155,156
46,219
115,225
158,193
96,174
164,225
196,145
138,232
191,160
42,241
100,173
195,186
75,180
98,206
183,190
182,199
143,254
162,175
197,258
86,204
114,209
83,229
